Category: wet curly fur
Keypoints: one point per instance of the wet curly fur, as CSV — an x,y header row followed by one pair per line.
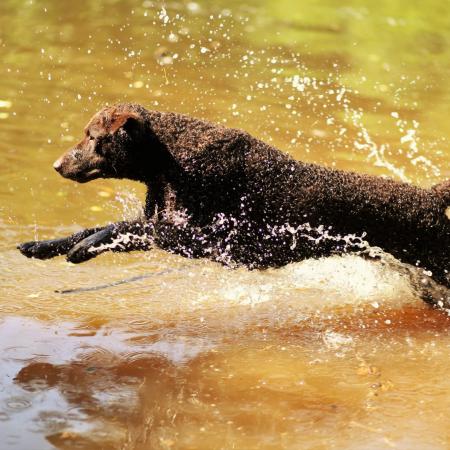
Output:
x,y
220,193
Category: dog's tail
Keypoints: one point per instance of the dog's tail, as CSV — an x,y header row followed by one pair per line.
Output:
x,y
443,190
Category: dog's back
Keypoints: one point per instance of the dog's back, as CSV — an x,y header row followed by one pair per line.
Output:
x,y
278,202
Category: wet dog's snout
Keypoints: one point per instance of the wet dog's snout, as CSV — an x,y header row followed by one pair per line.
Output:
x,y
57,165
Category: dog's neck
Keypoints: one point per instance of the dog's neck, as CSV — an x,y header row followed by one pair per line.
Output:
x,y
162,183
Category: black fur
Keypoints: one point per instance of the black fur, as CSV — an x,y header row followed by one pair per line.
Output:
x,y
220,193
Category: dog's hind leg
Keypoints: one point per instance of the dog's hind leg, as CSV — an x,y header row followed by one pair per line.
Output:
x,y
117,237
54,247
431,288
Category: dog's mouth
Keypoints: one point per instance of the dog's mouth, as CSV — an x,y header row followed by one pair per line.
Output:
x,y
84,177
79,171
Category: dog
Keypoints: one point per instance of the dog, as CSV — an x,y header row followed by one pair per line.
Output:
x,y
220,193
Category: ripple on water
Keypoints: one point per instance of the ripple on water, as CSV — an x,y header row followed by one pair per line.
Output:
x,y
17,403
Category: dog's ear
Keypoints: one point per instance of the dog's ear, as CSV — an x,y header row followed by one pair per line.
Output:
x,y
125,120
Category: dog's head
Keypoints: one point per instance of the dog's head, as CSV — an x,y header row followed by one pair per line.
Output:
x,y
112,146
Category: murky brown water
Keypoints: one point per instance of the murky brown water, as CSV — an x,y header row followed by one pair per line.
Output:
x,y
337,353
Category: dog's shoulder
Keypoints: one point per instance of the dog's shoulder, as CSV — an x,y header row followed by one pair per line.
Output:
x,y
198,144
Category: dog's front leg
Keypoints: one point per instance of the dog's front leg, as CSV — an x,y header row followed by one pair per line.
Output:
x,y
117,237
54,247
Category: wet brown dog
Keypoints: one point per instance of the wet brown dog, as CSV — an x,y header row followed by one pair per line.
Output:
x,y
220,193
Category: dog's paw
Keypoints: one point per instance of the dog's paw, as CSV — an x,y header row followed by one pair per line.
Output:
x,y
27,248
80,253
36,249
90,247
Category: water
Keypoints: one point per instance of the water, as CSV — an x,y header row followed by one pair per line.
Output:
x,y
337,353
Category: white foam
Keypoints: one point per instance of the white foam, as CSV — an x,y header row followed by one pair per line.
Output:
x,y
315,284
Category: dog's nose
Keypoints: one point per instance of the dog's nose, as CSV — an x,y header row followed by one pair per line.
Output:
x,y
57,165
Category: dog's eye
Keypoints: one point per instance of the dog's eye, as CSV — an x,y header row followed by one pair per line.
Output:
x,y
89,135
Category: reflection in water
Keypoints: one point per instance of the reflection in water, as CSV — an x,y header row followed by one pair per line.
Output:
x,y
336,353
113,389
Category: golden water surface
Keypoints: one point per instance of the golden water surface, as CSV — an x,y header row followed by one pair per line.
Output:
x,y
331,354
